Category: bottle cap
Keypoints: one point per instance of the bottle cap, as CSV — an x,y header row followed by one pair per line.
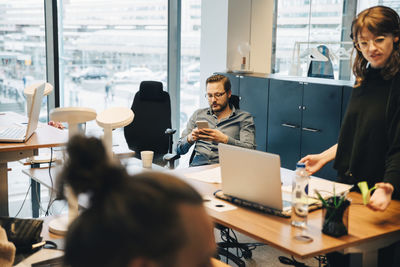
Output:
x,y
300,165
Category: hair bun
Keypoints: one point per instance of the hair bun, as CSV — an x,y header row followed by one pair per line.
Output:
x,y
88,168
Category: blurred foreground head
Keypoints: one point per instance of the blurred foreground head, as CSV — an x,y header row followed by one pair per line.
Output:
x,y
148,219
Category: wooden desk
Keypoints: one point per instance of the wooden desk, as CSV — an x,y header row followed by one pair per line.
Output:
x,y
45,136
368,230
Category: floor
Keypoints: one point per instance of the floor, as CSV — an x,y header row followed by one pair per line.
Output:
x,y
265,255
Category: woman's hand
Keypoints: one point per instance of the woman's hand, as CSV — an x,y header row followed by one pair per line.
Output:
x,y
56,124
315,162
381,198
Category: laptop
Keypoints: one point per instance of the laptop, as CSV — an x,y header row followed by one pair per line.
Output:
x,y
253,176
21,133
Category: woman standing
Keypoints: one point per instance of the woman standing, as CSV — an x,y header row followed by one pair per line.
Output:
x,y
368,147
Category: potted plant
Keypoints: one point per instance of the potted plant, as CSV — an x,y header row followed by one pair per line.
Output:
x,y
335,214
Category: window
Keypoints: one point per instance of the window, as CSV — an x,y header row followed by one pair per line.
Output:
x,y
190,60
22,52
309,28
107,48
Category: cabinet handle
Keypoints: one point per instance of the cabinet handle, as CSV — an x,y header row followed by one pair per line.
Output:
x,y
289,125
310,130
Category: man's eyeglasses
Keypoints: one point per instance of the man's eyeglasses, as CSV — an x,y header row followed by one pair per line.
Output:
x,y
216,95
364,44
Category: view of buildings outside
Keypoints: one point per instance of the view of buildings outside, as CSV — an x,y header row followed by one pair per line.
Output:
x,y
108,47
22,52
305,25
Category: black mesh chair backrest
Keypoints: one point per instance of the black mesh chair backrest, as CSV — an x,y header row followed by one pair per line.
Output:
x,y
152,109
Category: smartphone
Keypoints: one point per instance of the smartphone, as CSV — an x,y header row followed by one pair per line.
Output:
x,y
202,124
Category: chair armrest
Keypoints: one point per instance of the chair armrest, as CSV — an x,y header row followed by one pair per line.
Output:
x,y
170,131
170,158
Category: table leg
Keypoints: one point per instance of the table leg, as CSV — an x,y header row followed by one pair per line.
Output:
x,y
370,258
35,196
3,189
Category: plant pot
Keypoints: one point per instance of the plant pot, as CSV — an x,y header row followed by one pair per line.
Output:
x,y
335,220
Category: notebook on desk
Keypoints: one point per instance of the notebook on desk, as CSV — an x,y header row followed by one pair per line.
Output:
x,y
21,133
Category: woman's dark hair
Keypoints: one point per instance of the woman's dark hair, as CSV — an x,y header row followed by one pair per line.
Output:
x,y
379,20
129,216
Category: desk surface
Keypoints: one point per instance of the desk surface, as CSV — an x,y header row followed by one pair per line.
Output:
x,y
44,136
364,224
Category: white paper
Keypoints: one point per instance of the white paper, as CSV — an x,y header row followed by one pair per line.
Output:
x,y
209,176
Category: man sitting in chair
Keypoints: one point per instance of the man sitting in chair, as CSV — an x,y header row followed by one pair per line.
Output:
x,y
226,124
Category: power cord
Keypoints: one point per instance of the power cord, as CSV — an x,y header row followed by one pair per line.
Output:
x,y
320,258
51,201
23,202
243,250
292,261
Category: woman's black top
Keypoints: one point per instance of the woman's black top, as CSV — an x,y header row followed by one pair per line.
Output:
x,y
369,139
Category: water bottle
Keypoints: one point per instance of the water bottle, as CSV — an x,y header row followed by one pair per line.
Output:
x,y
300,196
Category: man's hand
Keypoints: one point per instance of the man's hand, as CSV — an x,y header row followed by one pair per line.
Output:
x,y
214,135
381,198
193,136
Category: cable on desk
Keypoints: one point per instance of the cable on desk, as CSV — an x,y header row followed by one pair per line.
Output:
x,y
23,202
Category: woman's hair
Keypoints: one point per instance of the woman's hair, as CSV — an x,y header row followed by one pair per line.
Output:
x,y
128,217
379,20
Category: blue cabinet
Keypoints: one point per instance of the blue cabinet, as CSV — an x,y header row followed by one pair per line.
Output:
x,y
253,92
294,116
304,118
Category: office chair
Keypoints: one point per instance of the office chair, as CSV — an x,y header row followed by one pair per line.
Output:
x,y
151,129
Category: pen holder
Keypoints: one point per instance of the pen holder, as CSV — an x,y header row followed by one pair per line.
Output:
x,y
335,217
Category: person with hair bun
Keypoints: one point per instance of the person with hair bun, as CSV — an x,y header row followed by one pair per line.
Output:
x,y
144,220
368,147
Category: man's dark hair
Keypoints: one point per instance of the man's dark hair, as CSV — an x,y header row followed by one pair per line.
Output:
x,y
217,78
129,216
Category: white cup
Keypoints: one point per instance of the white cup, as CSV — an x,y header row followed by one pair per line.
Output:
x,y
147,158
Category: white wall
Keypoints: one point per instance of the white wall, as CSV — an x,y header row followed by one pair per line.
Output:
x,y
228,23
239,27
214,24
261,35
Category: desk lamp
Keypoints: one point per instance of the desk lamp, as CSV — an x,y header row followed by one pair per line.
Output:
x,y
30,90
110,119
73,116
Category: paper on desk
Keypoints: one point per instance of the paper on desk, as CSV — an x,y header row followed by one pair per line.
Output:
x,y
209,176
324,187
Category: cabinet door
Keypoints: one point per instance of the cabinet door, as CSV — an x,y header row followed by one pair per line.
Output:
x,y
254,99
284,121
321,121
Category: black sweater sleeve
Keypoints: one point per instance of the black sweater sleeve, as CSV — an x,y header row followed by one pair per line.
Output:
x,y
392,164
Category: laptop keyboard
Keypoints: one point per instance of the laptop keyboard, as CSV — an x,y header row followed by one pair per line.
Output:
x,y
13,133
